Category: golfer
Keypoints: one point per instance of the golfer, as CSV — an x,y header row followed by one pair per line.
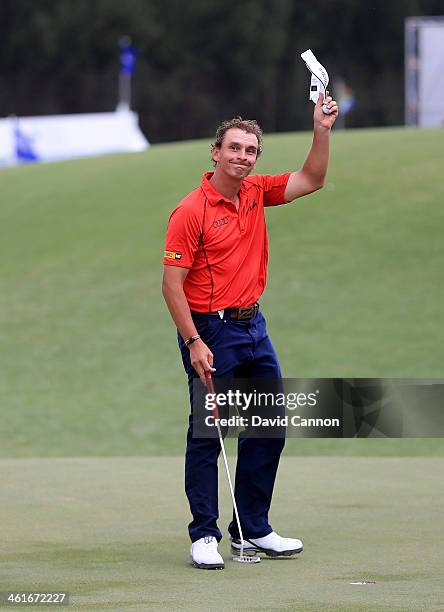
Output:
x,y
215,270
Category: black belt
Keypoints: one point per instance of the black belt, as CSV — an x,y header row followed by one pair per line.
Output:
x,y
241,314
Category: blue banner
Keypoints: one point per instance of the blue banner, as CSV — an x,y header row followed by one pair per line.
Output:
x,y
128,55
24,149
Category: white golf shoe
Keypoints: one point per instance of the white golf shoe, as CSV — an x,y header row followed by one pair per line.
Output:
x,y
272,545
204,554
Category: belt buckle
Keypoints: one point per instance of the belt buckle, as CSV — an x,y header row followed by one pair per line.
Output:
x,y
245,313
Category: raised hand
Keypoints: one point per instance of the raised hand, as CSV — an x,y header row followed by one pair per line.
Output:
x,y
322,119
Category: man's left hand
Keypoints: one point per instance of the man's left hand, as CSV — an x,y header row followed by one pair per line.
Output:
x,y
322,119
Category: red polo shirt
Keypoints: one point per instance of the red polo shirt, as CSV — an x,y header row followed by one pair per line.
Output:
x,y
226,250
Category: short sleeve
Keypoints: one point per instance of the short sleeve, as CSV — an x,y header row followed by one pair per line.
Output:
x,y
274,187
182,237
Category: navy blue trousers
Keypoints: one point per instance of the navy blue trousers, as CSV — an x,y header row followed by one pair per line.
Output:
x,y
241,349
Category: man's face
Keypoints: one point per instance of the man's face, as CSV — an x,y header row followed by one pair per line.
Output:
x,y
238,153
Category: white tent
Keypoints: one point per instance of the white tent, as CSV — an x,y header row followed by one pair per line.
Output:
x,y
57,137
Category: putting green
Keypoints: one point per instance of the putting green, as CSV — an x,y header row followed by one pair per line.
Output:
x,y
113,533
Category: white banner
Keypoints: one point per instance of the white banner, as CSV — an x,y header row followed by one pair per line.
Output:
x,y
57,137
431,81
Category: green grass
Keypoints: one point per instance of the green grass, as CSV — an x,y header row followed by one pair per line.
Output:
x,y
120,542
91,371
90,362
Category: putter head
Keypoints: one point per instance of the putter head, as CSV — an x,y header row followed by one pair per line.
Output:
x,y
319,77
240,555
246,559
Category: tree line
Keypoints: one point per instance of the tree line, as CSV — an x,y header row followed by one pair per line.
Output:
x,y
201,61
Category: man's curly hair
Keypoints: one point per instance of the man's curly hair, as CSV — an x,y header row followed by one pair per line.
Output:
x,y
250,126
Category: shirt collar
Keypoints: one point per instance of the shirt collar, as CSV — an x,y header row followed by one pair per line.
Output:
x,y
214,197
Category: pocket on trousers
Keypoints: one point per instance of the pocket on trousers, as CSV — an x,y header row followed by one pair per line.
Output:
x,y
201,324
213,331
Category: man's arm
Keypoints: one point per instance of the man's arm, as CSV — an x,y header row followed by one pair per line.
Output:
x,y
312,174
172,289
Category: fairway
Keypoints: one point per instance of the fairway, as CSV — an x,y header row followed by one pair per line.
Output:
x,y
91,362
112,532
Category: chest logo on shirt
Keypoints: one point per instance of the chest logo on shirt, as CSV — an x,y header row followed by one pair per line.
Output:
x,y
220,222
250,208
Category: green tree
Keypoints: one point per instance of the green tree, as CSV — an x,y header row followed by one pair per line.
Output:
x,y
202,61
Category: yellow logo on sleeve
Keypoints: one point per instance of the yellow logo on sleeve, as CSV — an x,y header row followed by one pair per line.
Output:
x,y
173,255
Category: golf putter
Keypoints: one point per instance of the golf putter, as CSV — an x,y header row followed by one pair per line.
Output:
x,y
241,558
319,78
